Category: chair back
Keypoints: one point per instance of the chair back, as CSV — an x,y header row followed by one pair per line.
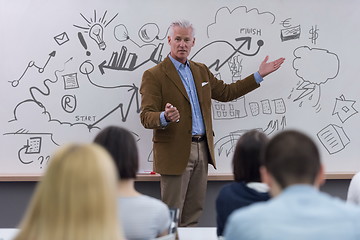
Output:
x,y
174,216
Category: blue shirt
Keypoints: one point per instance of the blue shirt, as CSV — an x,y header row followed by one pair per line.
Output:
x,y
299,212
198,127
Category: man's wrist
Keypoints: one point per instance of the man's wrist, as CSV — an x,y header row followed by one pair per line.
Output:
x,y
166,119
258,77
163,120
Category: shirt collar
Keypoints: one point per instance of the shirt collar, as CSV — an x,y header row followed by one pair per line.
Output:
x,y
177,64
260,187
300,188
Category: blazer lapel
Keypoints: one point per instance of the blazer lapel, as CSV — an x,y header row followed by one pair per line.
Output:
x,y
173,75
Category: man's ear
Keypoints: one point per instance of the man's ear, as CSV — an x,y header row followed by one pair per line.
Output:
x,y
169,39
265,178
193,43
320,178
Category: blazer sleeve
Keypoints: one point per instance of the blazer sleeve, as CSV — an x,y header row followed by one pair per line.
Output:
x,y
151,101
224,92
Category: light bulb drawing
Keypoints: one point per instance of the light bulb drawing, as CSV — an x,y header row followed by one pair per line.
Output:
x,y
95,28
97,34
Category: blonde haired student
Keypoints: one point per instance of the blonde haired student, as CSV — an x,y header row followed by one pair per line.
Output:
x,y
76,198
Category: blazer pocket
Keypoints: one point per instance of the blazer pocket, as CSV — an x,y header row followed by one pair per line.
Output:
x,y
204,84
206,91
162,138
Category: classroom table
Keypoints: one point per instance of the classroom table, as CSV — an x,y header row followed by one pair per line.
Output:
x,y
188,233
8,233
198,233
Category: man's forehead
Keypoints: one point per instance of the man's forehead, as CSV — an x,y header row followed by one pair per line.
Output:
x,y
179,31
183,35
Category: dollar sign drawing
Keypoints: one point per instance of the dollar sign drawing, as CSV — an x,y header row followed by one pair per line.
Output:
x,y
314,34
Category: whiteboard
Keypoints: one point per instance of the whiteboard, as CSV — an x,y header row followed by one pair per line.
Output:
x,y
71,68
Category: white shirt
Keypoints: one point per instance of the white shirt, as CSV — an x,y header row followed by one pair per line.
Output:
x,y
353,194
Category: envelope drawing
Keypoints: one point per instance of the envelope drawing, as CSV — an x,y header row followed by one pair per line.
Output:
x,y
61,38
204,83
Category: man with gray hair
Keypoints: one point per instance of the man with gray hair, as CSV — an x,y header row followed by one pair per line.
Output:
x,y
176,103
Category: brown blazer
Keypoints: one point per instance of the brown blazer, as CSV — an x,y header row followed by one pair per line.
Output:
x,y
162,84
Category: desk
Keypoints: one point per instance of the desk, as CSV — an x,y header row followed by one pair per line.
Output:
x,y
198,233
8,233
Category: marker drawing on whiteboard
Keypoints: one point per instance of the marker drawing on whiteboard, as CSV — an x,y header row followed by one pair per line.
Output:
x,y
178,119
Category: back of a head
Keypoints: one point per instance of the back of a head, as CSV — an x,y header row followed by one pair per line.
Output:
x,y
76,198
246,159
121,145
292,157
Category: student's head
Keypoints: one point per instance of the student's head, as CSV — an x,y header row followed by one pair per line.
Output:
x,y
291,157
246,159
181,39
76,197
121,145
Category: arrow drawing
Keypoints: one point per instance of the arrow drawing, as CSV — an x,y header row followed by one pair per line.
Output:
x,y
218,63
16,82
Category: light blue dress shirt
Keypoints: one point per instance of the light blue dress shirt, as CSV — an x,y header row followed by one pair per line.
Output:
x,y
299,212
187,78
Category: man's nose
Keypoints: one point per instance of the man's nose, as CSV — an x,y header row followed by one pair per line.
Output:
x,y
182,43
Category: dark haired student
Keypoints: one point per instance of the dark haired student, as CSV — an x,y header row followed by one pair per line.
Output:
x,y
247,187
143,217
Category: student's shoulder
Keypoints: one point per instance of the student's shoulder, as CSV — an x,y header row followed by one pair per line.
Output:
x,y
227,187
153,201
253,211
258,207
356,179
339,207
243,219
234,187
350,208
226,190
